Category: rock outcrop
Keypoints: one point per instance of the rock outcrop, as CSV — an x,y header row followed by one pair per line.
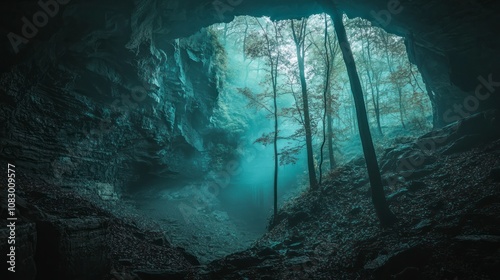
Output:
x,y
89,103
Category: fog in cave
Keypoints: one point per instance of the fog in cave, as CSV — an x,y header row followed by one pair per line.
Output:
x,y
250,140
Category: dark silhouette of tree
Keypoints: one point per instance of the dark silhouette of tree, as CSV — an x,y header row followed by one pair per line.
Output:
x,y
384,214
267,47
325,97
299,28
329,51
373,76
390,48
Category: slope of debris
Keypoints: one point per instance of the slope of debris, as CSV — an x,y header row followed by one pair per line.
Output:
x,y
444,187
445,190
80,236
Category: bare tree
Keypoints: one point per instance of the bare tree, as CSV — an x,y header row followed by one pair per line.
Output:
x,y
268,48
299,28
384,214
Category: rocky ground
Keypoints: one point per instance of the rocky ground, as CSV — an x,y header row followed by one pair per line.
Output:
x,y
447,204
445,190
82,237
448,227
208,233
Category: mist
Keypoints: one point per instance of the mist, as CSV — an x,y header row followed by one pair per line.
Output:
x,y
236,190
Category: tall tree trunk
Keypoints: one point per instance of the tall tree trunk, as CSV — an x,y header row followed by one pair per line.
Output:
x,y
373,85
274,78
274,61
384,214
375,92
432,97
377,108
401,107
398,88
326,102
375,102
353,117
275,142
333,50
299,39
329,125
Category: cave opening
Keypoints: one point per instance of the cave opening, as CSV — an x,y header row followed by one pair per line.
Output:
x,y
204,139
233,198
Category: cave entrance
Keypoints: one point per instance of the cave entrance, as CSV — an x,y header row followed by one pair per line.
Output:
x,y
395,95
230,207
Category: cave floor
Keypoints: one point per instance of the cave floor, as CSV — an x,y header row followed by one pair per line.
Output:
x,y
448,226
209,235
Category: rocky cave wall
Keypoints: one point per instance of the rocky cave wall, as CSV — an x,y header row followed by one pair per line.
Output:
x,y
61,87
89,108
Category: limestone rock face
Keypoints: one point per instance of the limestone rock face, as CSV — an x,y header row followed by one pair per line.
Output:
x,y
89,103
105,90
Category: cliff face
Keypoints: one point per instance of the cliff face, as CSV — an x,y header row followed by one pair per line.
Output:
x,y
104,90
90,103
